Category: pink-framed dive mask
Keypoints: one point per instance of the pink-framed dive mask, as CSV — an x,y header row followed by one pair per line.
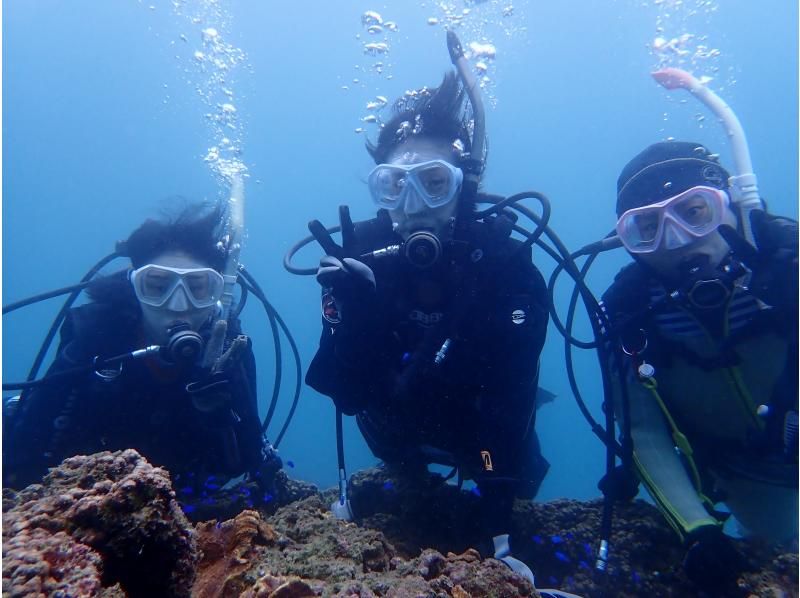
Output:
x,y
674,222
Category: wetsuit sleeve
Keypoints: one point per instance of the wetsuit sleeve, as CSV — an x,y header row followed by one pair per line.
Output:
x,y
352,348
249,436
656,461
32,433
776,281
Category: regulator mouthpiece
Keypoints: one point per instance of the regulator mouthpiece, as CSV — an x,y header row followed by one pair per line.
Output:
x,y
184,345
422,249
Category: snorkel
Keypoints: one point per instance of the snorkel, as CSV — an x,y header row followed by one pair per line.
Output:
x,y
472,166
743,184
232,243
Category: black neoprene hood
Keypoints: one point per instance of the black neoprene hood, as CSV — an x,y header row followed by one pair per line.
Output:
x,y
665,169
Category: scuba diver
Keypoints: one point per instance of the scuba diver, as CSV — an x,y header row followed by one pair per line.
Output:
x,y
200,422
706,342
433,321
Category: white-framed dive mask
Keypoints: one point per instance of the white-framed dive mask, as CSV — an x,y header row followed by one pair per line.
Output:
x,y
154,285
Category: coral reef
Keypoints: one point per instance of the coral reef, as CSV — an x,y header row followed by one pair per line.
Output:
x,y
108,525
226,550
108,517
314,554
558,539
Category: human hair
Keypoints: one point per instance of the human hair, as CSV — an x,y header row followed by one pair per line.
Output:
x,y
195,229
441,113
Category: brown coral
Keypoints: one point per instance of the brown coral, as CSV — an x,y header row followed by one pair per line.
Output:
x,y
39,563
226,549
118,505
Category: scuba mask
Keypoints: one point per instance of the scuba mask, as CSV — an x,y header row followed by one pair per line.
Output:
x,y
674,222
435,182
156,285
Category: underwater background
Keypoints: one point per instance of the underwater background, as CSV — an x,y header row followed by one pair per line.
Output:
x,y
111,108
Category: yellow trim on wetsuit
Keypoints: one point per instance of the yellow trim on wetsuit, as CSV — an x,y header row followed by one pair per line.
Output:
x,y
680,439
682,527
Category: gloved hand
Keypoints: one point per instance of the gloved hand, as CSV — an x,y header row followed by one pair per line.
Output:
x,y
712,562
211,389
502,552
349,279
773,262
271,464
620,485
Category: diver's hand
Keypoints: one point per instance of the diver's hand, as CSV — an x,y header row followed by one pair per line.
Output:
x,y
348,278
334,273
502,552
712,562
270,464
212,389
773,262
621,484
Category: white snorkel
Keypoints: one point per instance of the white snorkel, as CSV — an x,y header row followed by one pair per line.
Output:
x,y
232,243
743,184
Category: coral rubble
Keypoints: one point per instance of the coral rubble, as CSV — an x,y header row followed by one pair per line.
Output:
x,y
108,525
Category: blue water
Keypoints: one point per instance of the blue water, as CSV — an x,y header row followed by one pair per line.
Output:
x,y
100,125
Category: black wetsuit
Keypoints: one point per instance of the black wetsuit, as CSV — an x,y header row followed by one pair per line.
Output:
x,y
146,407
475,409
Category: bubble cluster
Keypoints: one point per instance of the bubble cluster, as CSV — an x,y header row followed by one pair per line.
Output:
x,y
678,43
481,24
376,39
211,71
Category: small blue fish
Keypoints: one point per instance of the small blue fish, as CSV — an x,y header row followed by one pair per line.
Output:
x,y
290,464
249,503
267,497
636,578
244,492
583,565
556,539
388,485
208,501
561,556
553,581
570,581
188,509
538,539
212,486
570,536
476,491
186,490
587,548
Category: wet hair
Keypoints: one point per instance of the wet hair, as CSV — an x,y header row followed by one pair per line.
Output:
x,y
441,114
195,230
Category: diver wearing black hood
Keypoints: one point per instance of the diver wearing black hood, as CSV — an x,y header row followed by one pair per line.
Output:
x,y
433,322
707,329
203,430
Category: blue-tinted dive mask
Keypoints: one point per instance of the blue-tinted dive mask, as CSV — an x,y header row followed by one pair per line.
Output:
x,y
436,182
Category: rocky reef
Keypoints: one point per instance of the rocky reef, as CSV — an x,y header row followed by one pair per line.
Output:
x,y
110,525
